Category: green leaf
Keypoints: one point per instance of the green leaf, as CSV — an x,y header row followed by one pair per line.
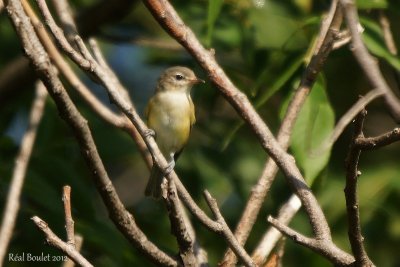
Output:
x,y
370,4
373,38
313,127
277,84
214,8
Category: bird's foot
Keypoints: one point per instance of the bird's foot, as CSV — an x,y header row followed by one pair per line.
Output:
x,y
149,133
169,168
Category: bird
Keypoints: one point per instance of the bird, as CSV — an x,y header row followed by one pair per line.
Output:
x,y
170,117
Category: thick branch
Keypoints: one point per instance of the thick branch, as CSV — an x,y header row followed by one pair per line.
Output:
x,y
21,164
368,64
54,241
353,216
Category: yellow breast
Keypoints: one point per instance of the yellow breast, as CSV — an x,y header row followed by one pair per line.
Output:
x,y
171,115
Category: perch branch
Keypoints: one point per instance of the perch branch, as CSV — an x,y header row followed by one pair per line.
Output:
x,y
368,64
179,227
350,191
41,63
54,241
326,37
21,164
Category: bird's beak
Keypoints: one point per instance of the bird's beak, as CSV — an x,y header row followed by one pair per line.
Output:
x,y
196,81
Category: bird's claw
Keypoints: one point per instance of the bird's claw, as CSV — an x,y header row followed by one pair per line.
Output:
x,y
149,133
169,168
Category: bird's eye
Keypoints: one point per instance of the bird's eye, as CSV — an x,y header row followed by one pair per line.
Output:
x,y
179,77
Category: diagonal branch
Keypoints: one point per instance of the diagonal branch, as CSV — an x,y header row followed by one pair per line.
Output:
x,y
371,143
368,64
21,164
53,240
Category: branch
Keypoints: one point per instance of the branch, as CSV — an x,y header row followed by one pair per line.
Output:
x,y
387,33
172,23
54,241
41,63
69,222
348,118
21,164
230,238
179,227
368,64
323,247
272,236
64,14
326,37
350,191
371,143
78,246
18,75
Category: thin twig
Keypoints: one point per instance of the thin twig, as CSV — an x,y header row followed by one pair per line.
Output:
x,y
239,250
69,222
387,33
21,164
326,37
370,143
323,247
350,191
54,241
64,14
41,63
368,64
348,117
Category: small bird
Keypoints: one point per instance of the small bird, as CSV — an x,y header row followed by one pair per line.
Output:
x,y
170,114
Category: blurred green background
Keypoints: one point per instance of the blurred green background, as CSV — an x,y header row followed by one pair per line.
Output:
x,y
263,47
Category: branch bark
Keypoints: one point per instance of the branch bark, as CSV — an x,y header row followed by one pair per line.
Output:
x,y
350,191
367,63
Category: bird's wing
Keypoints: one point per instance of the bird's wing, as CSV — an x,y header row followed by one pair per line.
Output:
x,y
192,113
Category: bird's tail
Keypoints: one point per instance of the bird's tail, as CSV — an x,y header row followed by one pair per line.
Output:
x,y
153,187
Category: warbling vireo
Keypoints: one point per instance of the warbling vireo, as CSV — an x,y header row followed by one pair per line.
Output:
x,y
170,114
